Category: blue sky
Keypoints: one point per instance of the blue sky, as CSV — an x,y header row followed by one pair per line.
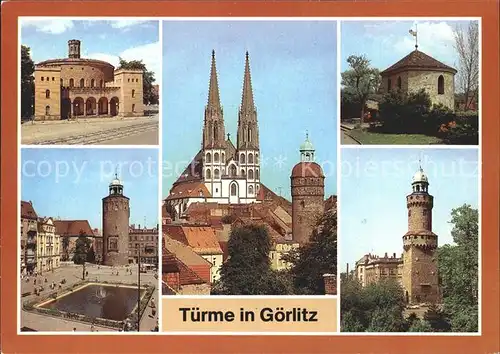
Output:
x,y
70,183
386,42
374,186
293,67
130,39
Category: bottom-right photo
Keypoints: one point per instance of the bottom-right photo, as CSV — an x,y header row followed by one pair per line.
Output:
x,y
409,239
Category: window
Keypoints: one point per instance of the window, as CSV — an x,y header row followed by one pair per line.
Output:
x,y
440,85
250,174
136,80
42,78
256,158
243,173
256,174
47,110
208,174
216,174
92,83
250,158
424,212
47,78
216,157
232,170
100,83
233,189
128,80
82,83
53,78
112,244
62,82
242,158
133,93
223,157
133,107
208,157
250,189
71,83
399,82
47,93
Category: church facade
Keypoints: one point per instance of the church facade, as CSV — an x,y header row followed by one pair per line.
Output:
x,y
222,172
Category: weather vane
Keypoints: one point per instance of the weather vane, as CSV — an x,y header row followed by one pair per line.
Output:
x,y
414,34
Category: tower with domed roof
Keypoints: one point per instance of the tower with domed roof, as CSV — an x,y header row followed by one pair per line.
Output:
x,y
420,271
308,193
115,225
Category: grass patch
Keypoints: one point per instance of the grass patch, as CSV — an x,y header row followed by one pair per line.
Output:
x,y
374,138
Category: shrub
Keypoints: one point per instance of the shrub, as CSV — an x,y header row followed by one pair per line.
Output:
x,y
463,130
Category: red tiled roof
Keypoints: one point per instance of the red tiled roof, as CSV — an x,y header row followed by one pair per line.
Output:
x,y
202,239
27,211
73,227
193,189
418,60
307,169
172,264
183,252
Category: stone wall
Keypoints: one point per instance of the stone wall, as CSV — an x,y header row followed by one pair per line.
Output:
x,y
47,93
419,211
131,94
87,71
115,221
428,80
420,275
199,289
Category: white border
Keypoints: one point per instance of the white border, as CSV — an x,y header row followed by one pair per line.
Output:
x,y
339,146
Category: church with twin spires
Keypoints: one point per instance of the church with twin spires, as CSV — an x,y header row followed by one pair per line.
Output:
x,y
222,172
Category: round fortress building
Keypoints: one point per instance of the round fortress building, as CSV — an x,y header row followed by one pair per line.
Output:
x,y
77,87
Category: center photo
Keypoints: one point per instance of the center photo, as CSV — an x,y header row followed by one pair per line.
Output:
x,y
249,150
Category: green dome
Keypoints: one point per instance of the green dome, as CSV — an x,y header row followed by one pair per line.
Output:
x,y
307,145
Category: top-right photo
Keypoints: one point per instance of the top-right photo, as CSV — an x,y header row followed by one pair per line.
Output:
x,y
410,82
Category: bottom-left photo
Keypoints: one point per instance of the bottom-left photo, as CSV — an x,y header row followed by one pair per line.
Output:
x,y
89,225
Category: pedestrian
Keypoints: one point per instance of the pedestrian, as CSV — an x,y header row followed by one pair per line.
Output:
x,y
153,303
92,328
153,311
45,279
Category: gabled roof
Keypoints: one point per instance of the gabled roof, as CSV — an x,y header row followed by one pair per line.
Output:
x,y
73,228
27,211
418,60
202,239
183,252
193,171
189,189
172,264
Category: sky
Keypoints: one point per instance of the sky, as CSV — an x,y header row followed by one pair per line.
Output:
x,y
374,185
386,42
70,183
293,68
105,40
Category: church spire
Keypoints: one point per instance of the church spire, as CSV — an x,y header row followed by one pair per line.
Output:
x,y
248,130
213,129
213,87
247,104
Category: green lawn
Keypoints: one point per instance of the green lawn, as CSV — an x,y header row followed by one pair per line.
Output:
x,y
372,138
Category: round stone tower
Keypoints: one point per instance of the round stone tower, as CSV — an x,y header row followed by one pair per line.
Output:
x,y
420,272
308,194
73,48
115,225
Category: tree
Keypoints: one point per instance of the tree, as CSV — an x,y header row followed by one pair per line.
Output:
x,y
247,270
420,326
82,247
458,270
91,255
65,246
27,82
467,47
317,257
150,96
360,80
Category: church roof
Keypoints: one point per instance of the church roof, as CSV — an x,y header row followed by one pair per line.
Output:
x,y
418,60
193,171
307,169
193,189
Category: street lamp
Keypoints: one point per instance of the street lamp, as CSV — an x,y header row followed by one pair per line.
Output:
x,y
138,287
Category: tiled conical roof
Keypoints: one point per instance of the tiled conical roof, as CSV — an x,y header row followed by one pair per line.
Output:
x,y
418,60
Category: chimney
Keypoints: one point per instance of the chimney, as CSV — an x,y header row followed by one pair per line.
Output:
x,y
330,284
74,48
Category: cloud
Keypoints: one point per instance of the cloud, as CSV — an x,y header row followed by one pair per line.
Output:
x,y
125,24
55,26
149,53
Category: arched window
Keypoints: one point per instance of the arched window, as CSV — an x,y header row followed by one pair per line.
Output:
x,y
250,174
250,158
256,158
243,173
256,174
249,135
258,187
208,174
216,174
223,157
250,189
43,78
233,189
232,171
101,83
418,188
208,157
440,85
133,93
82,83
216,131
62,83
71,83
242,158
133,107
399,82
47,93
216,157
92,83
47,110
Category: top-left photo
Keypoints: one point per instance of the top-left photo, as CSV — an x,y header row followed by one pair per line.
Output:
x,y
89,82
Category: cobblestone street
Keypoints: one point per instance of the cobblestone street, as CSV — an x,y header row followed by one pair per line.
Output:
x,y
73,274
136,131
